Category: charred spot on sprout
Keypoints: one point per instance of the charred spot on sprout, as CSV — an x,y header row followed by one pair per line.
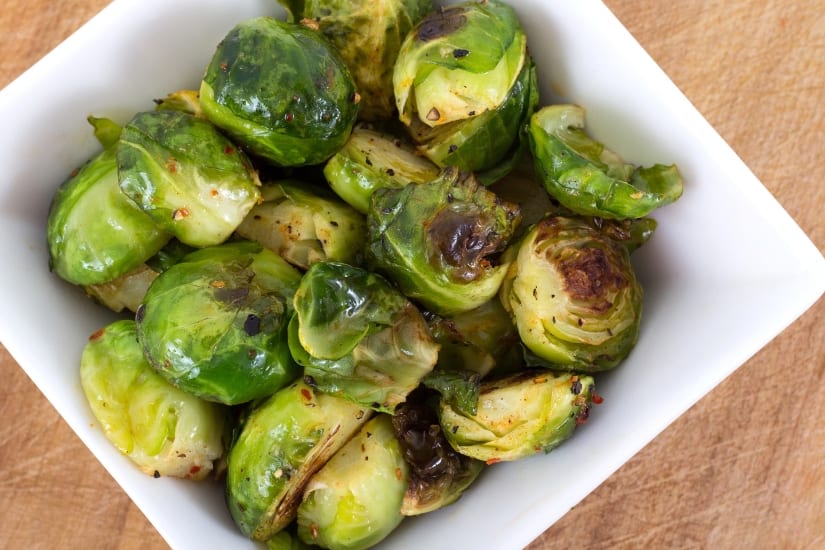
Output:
x,y
590,276
463,242
441,23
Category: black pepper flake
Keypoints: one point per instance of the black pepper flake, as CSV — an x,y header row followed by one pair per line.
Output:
x,y
390,172
458,53
576,387
156,474
252,325
333,223
471,113
580,322
310,381
453,148
454,429
368,161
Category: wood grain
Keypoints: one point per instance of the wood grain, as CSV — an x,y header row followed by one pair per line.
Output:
x,y
745,467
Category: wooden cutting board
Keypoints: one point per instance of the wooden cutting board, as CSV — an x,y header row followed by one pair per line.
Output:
x,y
745,467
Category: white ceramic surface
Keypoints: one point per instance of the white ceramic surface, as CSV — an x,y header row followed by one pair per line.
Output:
x,y
726,271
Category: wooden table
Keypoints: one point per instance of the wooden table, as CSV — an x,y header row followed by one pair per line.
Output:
x,y
745,467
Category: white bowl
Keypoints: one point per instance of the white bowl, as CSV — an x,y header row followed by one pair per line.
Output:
x,y
710,272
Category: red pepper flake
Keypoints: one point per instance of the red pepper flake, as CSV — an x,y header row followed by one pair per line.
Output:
x,y
179,214
399,475
194,469
493,461
288,117
97,335
306,394
172,164
213,193
596,398
224,66
228,149
217,284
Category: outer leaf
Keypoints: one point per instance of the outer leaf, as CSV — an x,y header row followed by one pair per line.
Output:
x,y
186,175
589,179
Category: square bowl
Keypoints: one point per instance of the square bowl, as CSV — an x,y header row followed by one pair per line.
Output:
x,y
713,264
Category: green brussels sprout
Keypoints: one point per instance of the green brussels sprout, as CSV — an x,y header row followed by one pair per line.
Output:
x,y
186,175
372,160
368,35
458,62
281,91
438,240
305,224
478,340
354,501
586,177
489,144
438,474
573,294
280,445
520,415
459,386
358,337
95,233
215,324
128,290
163,430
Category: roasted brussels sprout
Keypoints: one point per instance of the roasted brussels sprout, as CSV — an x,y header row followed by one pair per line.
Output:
x,y
586,177
354,501
164,430
465,84
372,160
520,415
489,144
358,337
215,324
368,35
287,539
438,474
280,90
573,294
186,175
281,444
95,233
458,62
439,240
306,224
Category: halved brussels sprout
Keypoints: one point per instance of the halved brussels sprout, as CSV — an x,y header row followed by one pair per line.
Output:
x,y
586,177
368,35
281,91
573,294
164,430
305,224
95,233
358,337
520,415
459,62
281,444
215,324
186,175
438,474
354,501
372,160
489,144
439,240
